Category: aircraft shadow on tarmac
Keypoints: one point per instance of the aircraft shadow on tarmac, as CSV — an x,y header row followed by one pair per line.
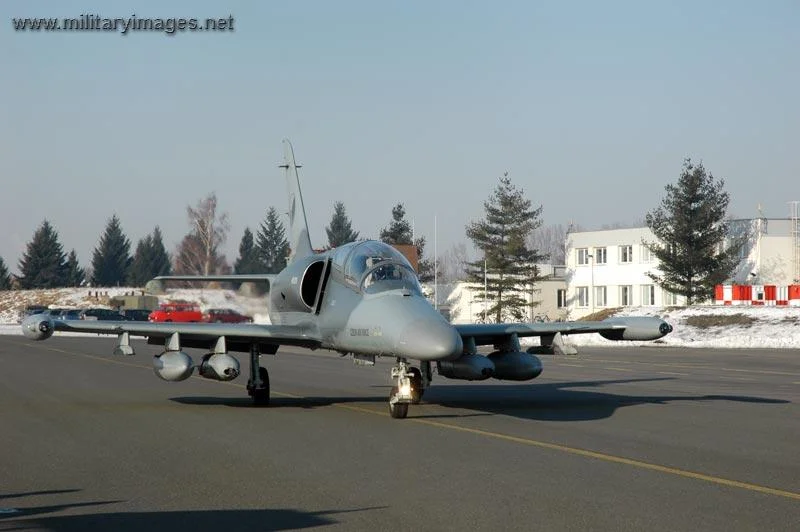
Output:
x,y
27,518
276,402
546,401
560,401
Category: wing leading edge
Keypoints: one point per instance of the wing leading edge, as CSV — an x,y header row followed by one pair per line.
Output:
x,y
629,328
239,336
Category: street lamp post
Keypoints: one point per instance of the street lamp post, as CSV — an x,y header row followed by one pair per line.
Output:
x,y
591,285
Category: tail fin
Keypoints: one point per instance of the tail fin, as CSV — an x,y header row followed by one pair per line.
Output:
x,y
299,240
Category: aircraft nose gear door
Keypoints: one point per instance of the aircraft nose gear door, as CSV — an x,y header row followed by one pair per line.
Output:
x,y
402,392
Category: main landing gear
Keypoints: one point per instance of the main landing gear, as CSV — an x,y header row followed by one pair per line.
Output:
x,y
408,388
258,383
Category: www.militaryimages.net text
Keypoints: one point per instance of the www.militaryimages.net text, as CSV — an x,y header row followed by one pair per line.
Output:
x,y
124,25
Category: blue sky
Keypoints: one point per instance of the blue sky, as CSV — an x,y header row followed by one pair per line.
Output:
x,y
590,106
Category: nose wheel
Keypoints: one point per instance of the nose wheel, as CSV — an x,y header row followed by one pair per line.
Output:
x,y
407,389
397,409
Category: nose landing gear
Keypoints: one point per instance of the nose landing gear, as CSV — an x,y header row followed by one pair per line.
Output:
x,y
409,386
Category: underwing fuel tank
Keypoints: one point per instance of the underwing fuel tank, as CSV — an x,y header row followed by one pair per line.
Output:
x,y
515,366
468,367
38,327
637,328
219,367
173,366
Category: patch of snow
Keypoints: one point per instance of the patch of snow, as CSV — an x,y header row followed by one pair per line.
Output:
x,y
13,302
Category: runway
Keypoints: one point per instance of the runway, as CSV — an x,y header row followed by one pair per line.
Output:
x,y
611,439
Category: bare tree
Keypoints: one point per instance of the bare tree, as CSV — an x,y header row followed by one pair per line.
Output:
x,y
454,263
551,241
198,252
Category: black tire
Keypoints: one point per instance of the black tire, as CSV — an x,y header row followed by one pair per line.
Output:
x,y
261,395
417,391
397,410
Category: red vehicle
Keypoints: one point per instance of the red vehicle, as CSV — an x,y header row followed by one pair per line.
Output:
x,y
225,315
185,312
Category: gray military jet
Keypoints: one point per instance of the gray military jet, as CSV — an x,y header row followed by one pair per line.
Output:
x,y
361,299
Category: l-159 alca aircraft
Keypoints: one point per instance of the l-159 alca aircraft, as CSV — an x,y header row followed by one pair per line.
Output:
x,y
361,299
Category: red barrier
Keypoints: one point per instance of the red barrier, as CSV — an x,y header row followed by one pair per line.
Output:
x,y
745,294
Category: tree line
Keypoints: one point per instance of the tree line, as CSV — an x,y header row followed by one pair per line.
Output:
x,y
45,265
693,246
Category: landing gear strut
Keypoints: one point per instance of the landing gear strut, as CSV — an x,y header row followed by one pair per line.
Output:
x,y
258,383
408,387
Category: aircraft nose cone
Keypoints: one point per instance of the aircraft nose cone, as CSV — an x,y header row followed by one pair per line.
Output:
x,y
429,340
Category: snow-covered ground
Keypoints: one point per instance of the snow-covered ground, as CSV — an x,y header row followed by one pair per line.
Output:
x,y
13,302
744,327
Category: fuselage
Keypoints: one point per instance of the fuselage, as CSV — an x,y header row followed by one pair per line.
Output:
x,y
363,298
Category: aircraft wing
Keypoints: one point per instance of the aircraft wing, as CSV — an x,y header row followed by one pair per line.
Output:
x,y
238,336
628,328
234,278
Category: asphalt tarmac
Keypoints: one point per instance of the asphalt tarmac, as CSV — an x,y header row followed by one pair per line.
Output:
x,y
611,439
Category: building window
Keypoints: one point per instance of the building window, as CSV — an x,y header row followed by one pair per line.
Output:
x,y
561,298
583,296
625,254
600,296
670,299
583,256
647,255
626,295
648,294
600,255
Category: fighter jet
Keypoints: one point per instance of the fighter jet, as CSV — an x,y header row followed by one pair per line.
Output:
x,y
362,299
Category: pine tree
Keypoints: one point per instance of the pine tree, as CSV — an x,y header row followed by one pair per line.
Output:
x,y
340,231
511,266
75,274
161,263
273,248
43,264
112,256
424,265
140,271
692,230
5,277
150,259
248,261
399,230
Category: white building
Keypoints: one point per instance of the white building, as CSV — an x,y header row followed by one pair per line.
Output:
x,y
609,268
463,302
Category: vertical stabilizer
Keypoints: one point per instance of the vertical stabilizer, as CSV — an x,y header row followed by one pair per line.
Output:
x,y
299,240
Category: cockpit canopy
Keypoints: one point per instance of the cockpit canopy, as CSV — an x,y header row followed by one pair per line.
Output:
x,y
376,267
